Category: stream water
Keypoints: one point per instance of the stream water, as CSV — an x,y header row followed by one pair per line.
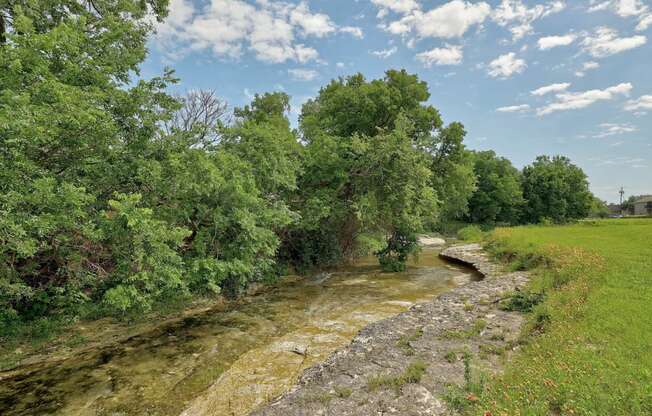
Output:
x,y
228,360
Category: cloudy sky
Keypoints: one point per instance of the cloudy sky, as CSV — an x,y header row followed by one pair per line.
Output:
x,y
525,77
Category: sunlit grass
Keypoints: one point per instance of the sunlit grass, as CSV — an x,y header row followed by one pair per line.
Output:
x,y
589,343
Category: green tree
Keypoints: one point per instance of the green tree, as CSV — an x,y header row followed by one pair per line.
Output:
x,y
498,197
453,177
599,208
366,184
72,133
262,136
555,189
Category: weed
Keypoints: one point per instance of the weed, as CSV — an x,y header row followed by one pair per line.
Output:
x,y
451,357
405,340
459,398
490,349
343,392
412,374
478,326
522,301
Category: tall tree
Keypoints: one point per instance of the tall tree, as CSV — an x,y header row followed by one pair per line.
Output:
x,y
367,183
498,197
453,177
555,189
73,132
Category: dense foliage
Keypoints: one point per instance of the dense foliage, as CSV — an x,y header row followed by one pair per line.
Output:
x,y
115,195
367,184
499,197
555,190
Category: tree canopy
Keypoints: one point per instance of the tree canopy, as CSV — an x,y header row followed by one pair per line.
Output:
x,y
116,196
499,197
555,189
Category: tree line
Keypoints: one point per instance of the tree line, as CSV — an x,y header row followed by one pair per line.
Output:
x,y
116,196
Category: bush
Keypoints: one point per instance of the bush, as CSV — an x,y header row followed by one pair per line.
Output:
x,y
470,233
147,265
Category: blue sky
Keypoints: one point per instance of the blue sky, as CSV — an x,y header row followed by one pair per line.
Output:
x,y
525,77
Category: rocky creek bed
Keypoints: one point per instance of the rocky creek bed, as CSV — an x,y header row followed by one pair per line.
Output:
x,y
371,376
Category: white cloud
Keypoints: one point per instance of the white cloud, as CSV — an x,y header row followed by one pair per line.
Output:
x,y
518,18
311,24
514,109
506,65
229,28
450,55
303,74
644,23
551,88
625,9
595,6
385,53
606,42
577,100
587,66
450,20
396,6
353,30
611,129
634,162
549,42
590,65
340,65
643,102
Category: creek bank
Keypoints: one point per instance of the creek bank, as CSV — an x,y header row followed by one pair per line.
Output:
x,y
437,333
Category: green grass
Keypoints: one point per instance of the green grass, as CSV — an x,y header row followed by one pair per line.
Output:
x,y
588,342
343,392
473,331
412,374
470,233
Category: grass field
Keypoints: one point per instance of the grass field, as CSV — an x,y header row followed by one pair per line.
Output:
x,y
588,345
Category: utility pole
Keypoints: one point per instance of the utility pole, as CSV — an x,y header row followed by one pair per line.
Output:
x,y
622,193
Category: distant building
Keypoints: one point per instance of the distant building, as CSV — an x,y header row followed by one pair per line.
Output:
x,y
642,205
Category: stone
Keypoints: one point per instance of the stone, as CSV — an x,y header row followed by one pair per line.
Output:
x,y
433,329
429,241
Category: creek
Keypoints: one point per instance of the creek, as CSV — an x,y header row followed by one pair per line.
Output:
x,y
229,359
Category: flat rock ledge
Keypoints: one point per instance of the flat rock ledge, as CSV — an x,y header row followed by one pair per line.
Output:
x,y
438,333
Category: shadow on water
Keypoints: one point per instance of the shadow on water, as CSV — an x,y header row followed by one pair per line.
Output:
x,y
249,352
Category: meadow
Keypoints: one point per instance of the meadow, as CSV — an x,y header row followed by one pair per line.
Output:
x,y
587,347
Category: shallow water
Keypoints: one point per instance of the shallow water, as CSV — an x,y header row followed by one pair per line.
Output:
x,y
230,360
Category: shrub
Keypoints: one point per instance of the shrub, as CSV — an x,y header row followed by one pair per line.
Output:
x,y
470,233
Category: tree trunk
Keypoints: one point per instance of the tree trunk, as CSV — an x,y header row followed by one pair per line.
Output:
x,y
3,38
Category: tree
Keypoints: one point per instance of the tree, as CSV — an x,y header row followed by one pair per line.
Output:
x,y
73,129
355,106
453,177
599,208
366,184
261,135
498,197
201,116
555,189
